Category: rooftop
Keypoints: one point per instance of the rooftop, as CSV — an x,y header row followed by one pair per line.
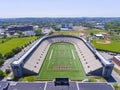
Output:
x,y
51,86
118,57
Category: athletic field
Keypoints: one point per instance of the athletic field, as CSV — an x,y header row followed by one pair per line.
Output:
x,y
9,44
62,61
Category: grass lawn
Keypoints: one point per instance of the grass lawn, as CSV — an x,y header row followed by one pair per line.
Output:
x,y
94,31
13,43
28,78
75,33
96,79
114,46
62,61
4,40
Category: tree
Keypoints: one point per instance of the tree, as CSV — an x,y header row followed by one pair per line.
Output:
x,y
12,53
20,33
1,61
38,32
113,26
16,50
56,28
51,33
4,35
9,55
1,74
1,56
90,25
7,71
91,34
116,86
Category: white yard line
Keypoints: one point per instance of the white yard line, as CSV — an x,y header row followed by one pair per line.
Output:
x,y
73,57
51,54
73,54
50,58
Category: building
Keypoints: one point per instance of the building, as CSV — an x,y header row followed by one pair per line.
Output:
x,y
46,30
99,25
2,31
27,30
66,27
51,86
116,59
99,36
20,27
36,27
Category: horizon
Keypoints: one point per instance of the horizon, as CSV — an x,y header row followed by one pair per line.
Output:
x,y
62,8
53,17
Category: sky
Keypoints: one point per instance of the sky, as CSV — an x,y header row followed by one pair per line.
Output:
x,y
59,8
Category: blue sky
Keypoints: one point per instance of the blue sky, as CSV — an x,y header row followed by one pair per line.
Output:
x,y
59,8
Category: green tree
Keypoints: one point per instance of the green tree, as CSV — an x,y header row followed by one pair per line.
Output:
x,y
4,35
113,26
7,71
9,55
20,34
16,50
38,32
1,56
56,28
116,86
1,74
91,34
1,61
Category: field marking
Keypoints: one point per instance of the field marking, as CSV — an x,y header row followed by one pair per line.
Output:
x,y
73,54
50,54
55,59
49,58
73,57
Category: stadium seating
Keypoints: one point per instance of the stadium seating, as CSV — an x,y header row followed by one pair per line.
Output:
x,y
31,62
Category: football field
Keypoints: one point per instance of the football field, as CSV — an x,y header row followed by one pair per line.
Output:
x,y
62,61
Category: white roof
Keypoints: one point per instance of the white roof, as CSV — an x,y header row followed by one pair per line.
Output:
x,y
99,35
117,57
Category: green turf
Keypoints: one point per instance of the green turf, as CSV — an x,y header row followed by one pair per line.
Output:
x,y
114,46
94,31
75,33
3,40
8,45
62,54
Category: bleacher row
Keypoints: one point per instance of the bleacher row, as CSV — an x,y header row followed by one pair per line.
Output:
x,y
36,59
87,58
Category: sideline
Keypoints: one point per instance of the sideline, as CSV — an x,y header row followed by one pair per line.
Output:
x,y
73,54
51,54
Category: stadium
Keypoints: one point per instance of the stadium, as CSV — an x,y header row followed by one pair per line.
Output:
x,y
62,56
